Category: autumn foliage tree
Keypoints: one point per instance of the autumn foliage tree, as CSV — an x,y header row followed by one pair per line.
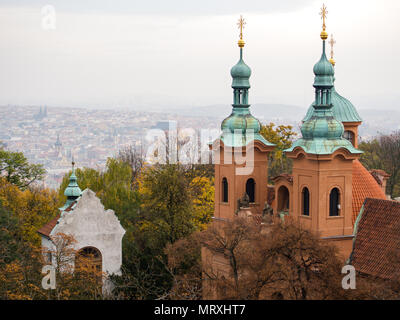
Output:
x,y
246,260
282,136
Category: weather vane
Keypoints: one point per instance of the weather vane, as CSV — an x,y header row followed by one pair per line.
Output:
x,y
323,13
241,23
332,43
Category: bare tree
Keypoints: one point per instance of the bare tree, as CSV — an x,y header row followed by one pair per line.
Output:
x,y
135,159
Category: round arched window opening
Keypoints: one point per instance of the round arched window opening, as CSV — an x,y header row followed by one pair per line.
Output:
x,y
305,195
89,259
225,190
283,199
251,190
334,203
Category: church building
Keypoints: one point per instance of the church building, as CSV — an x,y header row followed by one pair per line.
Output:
x,y
97,232
328,184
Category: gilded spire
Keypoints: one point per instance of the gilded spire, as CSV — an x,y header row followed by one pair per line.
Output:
x,y
323,13
332,43
241,23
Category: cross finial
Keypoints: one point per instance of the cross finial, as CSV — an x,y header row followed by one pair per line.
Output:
x,y
323,13
332,43
241,23
73,163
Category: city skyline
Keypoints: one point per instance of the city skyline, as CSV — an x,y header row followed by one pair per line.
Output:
x,y
139,56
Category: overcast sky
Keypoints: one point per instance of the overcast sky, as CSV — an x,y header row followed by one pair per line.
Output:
x,y
109,53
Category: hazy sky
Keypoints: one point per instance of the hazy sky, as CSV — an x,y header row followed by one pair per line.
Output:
x,y
179,52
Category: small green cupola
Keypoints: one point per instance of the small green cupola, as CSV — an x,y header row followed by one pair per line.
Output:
x,y
241,124
322,132
72,192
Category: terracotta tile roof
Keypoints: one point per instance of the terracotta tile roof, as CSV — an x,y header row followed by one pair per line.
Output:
x,y
379,175
364,186
378,239
46,229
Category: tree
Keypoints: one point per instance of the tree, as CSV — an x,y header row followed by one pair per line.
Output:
x,y
282,136
32,207
135,160
383,153
166,205
245,260
202,191
74,281
17,170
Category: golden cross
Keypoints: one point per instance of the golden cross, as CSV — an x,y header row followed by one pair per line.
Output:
x,y
241,24
332,42
323,14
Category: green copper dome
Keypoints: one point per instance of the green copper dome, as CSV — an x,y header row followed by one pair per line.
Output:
x,y
240,73
343,110
323,71
73,190
322,132
241,119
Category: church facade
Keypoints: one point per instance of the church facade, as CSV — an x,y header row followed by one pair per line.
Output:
x,y
97,233
328,184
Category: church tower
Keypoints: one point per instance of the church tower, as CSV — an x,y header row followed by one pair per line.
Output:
x,y
321,197
241,153
343,110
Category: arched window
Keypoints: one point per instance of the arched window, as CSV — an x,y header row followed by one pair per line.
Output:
x,y
348,135
283,199
89,258
334,202
305,202
251,189
225,190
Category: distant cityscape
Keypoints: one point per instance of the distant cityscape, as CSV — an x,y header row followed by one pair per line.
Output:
x,y
52,136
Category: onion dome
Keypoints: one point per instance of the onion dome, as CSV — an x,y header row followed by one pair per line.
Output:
x,y
240,73
364,186
323,71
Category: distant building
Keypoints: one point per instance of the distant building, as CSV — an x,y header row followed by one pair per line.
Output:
x,y
41,114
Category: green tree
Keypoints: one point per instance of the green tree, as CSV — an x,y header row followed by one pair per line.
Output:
x,y
383,153
282,136
166,202
17,170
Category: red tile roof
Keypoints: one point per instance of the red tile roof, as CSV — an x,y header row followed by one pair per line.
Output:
x,y
364,186
46,229
377,240
379,175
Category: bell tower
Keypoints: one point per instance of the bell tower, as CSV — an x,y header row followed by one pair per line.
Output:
x,y
323,164
241,153
343,110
